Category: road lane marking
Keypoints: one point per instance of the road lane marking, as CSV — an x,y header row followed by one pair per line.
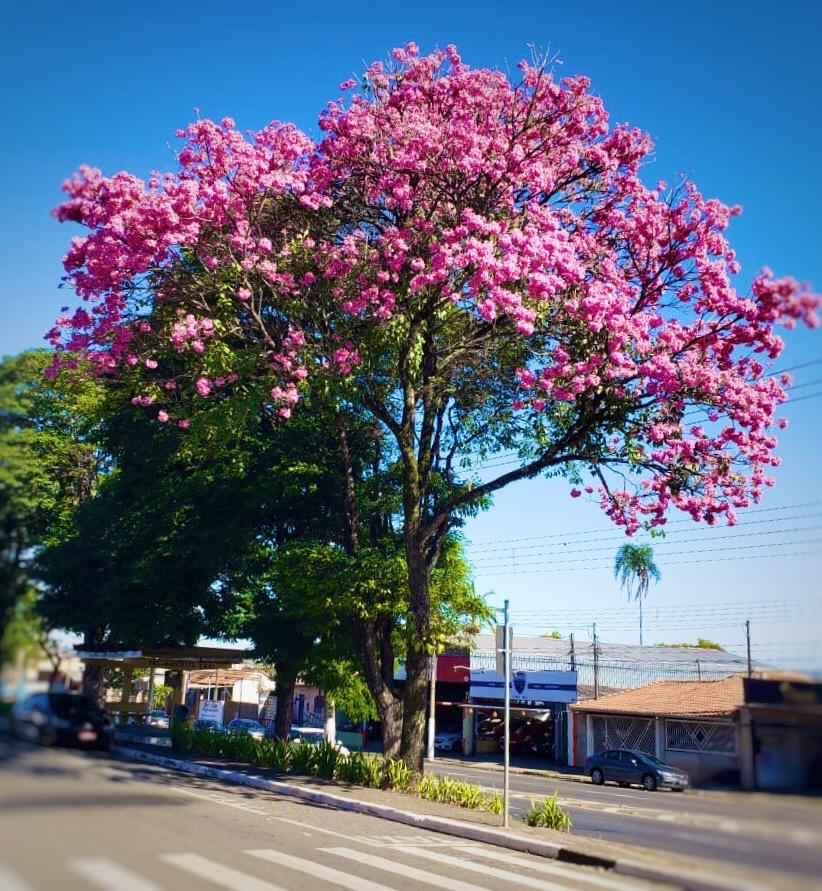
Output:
x,y
9,881
218,798
376,841
716,842
105,874
489,871
319,871
549,868
218,873
401,869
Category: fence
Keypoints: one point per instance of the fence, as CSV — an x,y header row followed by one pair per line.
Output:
x,y
615,673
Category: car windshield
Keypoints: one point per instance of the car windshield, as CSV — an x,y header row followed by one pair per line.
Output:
x,y
65,705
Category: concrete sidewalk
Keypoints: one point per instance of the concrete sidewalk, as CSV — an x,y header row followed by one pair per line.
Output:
x,y
669,869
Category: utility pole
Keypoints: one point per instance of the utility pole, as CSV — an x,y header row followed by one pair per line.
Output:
x,y
596,664
698,671
640,621
432,708
507,754
748,638
573,655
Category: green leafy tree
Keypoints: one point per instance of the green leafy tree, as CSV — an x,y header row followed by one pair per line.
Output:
x,y
634,567
50,462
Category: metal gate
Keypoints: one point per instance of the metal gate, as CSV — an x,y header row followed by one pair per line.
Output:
x,y
624,733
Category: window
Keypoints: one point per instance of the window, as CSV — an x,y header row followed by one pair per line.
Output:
x,y
700,736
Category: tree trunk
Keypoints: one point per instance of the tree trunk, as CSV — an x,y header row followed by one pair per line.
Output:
x,y
412,749
392,724
378,669
284,714
93,681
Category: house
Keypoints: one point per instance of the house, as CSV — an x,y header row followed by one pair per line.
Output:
x,y
690,724
243,689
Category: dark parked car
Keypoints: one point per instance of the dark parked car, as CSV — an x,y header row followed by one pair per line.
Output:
x,y
62,718
532,735
628,767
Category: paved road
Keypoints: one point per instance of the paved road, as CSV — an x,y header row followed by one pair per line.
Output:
x,y
82,821
763,831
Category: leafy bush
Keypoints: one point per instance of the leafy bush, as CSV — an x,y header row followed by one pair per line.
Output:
x,y
351,769
549,814
303,758
492,802
325,761
398,775
373,773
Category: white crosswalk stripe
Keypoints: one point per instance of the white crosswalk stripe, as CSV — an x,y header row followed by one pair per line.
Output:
x,y
105,874
319,871
548,867
400,869
489,872
218,874
9,881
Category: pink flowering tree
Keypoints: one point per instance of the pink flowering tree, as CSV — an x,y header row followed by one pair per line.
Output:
x,y
477,265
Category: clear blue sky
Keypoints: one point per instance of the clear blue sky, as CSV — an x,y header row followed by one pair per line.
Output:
x,y
730,93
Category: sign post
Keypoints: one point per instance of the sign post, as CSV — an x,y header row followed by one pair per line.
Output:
x,y
432,707
506,674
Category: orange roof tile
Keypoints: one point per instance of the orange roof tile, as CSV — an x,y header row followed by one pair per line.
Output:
x,y
672,699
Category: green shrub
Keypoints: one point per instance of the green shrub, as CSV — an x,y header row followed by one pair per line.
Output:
x,y
180,736
492,802
373,774
549,814
325,761
303,758
351,769
398,775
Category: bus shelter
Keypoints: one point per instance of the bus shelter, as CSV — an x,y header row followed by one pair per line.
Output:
x,y
178,661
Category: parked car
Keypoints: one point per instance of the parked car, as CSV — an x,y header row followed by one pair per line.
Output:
x,y
62,719
248,726
157,718
628,767
209,724
448,740
314,735
532,735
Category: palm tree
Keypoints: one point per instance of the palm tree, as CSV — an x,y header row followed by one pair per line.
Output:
x,y
634,567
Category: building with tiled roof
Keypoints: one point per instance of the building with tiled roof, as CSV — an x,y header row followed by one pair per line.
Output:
x,y
690,724
674,699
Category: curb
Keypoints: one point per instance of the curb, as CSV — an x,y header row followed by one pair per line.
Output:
x,y
690,880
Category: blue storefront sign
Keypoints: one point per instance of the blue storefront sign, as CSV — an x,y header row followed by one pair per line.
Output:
x,y
526,686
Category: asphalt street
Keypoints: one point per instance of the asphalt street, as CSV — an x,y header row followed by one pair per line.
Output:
x,y
70,820
772,832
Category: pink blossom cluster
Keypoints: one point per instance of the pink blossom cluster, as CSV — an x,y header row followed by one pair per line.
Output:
x,y
515,205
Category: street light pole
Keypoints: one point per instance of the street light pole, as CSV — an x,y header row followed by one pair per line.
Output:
x,y
432,708
507,747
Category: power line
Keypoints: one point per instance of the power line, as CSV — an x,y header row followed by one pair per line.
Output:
x,y
670,563
756,510
657,543
497,561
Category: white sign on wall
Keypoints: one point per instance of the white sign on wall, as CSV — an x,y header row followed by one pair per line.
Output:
x,y
526,686
211,710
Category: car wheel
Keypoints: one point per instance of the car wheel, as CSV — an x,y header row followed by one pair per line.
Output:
x,y
649,783
597,777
